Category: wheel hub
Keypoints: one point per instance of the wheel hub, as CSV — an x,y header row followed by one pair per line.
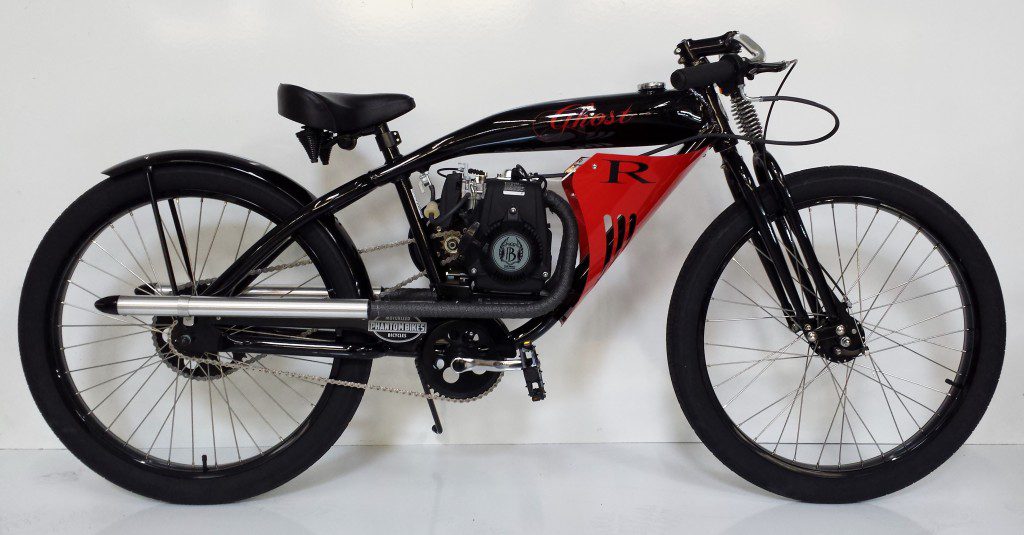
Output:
x,y
200,339
836,342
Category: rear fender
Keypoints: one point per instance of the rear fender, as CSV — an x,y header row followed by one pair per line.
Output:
x,y
257,172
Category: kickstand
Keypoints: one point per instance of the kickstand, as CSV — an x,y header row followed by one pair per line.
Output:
x,y
436,428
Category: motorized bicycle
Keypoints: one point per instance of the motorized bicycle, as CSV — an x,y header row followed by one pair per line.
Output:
x,y
199,328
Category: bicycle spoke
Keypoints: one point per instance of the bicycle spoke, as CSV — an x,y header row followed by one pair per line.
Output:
x,y
271,396
909,299
918,353
870,249
170,413
213,425
150,277
824,442
767,357
112,379
134,404
254,408
151,409
138,232
916,340
118,387
231,417
792,404
795,392
65,348
241,236
110,363
879,250
900,293
885,396
839,255
236,417
213,240
754,302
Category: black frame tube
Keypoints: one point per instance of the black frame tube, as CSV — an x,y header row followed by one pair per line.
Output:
x,y
398,169
160,231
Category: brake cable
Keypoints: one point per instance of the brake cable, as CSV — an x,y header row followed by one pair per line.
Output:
x,y
758,140
771,107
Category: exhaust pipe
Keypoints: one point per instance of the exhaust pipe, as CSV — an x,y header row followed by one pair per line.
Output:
x,y
361,309
155,305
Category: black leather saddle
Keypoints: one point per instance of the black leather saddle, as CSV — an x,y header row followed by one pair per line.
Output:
x,y
341,113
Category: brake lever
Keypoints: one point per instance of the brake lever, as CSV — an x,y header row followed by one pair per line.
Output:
x,y
778,66
758,68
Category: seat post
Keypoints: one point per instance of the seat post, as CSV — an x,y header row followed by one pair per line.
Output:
x,y
388,142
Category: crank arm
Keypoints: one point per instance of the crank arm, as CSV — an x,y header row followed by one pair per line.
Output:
x,y
465,364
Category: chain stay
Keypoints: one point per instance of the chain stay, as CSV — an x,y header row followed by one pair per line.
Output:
x,y
316,379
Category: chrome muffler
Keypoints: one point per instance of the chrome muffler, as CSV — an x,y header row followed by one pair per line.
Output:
x,y
249,307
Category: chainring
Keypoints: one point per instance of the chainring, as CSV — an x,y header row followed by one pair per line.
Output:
x,y
460,338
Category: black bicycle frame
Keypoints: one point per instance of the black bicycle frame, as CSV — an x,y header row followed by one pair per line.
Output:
x,y
788,240
656,118
644,119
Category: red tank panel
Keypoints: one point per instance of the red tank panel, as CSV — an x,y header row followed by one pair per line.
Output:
x,y
612,195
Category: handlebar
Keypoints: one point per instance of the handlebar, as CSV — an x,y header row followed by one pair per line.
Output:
x,y
724,72
691,50
694,49
727,73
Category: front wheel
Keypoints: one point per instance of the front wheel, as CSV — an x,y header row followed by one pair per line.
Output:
x,y
813,426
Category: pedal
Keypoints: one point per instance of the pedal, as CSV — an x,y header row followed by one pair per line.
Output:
x,y
532,372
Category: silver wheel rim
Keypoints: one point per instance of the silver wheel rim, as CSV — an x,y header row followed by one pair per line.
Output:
x,y
156,406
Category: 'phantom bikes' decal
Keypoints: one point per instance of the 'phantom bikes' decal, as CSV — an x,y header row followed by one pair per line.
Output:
x,y
397,330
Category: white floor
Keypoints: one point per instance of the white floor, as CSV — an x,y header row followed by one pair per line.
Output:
x,y
565,489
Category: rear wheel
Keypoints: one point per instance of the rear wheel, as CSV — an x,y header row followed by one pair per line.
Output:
x,y
801,422
111,388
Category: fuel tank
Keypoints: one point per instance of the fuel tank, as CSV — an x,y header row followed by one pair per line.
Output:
x,y
621,120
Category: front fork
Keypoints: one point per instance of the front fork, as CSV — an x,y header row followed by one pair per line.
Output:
x,y
804,291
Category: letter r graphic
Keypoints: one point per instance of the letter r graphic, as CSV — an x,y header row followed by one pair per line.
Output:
x,y
616,170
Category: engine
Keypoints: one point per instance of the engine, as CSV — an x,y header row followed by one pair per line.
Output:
x,y
492,232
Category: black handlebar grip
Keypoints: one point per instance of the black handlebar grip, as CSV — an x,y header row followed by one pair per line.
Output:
x,y
724,72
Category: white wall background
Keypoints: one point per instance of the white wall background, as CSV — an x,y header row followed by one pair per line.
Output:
x,y
925,89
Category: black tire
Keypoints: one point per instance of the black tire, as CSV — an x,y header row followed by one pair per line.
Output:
x,y
43,361
703,408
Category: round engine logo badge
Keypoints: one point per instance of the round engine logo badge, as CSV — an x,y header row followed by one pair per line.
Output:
x,y
510,252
